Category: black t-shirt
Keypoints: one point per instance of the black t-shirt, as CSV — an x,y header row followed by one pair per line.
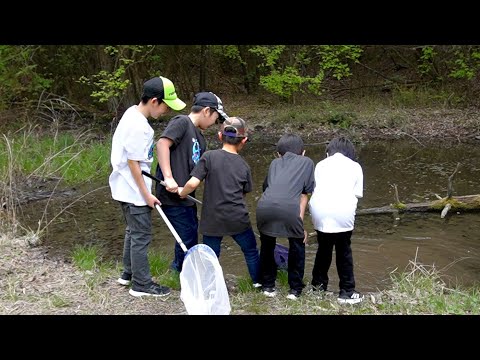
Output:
x,y
227,178
188,146
278,210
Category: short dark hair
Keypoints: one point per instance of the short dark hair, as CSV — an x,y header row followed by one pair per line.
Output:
x,y
231,140
290,142
342,145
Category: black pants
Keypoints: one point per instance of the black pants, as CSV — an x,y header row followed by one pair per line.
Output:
x,y
296,262
344,259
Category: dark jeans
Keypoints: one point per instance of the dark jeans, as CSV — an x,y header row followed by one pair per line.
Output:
x,y
184,220
344,259
138,235
296,262
247,242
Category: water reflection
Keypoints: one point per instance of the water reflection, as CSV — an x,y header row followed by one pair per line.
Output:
x,y
380,244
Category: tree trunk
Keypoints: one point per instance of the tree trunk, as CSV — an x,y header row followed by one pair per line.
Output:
x,y
458,203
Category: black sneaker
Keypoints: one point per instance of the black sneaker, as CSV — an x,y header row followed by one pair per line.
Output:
x,y
352,297
125,279
293,294
149,290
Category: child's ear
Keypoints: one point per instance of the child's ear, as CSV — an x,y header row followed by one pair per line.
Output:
x,y
244,140
220,135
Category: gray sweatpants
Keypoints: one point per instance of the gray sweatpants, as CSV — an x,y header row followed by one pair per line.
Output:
x,y
138,235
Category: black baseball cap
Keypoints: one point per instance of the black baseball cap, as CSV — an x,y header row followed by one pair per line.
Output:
x,y
211,100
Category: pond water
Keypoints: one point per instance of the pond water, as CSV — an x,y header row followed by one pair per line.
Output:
x,y
380,244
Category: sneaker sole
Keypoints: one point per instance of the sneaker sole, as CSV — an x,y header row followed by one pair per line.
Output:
x,y
123,282
350,301
140,294
292,297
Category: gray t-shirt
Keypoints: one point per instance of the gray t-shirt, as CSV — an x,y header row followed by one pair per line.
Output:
x,y
227,178
188,145
278,210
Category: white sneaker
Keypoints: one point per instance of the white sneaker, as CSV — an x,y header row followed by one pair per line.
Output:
x,y
293,295
353,298
270,292
125,279
257,285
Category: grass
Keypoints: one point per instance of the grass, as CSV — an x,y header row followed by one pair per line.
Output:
x,y
73,157
417,290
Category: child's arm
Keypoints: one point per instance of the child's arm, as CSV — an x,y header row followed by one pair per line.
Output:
x,y
136,170
303,206
163,156
190,186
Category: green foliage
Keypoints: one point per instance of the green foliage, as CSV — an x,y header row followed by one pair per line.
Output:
x,y
110,83
466,64
228,51
285,83
426,60
336,58
302,69
19,75
270,54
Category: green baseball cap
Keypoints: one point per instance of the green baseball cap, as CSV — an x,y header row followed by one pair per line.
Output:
x,y
162,88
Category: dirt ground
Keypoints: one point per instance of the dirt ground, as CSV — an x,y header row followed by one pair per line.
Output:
x,y
31,283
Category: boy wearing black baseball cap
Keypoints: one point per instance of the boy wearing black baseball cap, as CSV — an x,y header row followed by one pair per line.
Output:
x,y
178,151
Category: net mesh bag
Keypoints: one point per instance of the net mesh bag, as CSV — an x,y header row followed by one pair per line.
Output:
x,y
203,288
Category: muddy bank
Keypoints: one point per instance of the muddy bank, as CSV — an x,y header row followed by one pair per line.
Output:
x,y
421,125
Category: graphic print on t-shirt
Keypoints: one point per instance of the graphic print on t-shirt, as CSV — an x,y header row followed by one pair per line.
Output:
x,y
195,151
150,151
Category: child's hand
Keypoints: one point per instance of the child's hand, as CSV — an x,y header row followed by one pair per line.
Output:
x,y
305,236
152,200
179,190
171,185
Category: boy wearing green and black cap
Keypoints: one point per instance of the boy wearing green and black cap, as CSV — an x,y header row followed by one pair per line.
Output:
x,y
228,179
132,152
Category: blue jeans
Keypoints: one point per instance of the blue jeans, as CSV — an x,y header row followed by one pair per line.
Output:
x,y
247,242
184,220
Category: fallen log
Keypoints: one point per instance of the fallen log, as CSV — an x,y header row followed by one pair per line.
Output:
x,y
457,203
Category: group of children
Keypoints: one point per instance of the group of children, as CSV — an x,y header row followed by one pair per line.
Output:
x,y
334,184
